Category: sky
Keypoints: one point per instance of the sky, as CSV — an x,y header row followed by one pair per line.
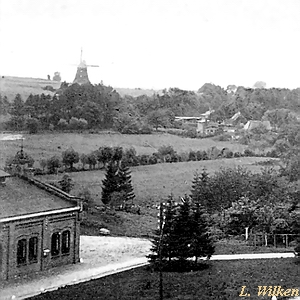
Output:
x,y
154,44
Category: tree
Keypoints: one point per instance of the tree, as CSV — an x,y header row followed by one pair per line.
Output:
x,y
183,228
92,160
164,238
201,242
110,183
70,157
83,160
53,163
32,125
124,183
66,183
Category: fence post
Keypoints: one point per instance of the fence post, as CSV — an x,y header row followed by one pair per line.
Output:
x,y
246,234
266,239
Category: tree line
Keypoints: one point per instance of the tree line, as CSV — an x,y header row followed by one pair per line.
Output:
x,y
77,107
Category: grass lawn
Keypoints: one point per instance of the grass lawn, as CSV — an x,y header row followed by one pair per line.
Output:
x,y
221,280
46,145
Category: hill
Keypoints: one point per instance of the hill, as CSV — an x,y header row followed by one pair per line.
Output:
x,y
10,86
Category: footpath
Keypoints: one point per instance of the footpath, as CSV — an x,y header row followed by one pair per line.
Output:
x,y
100,257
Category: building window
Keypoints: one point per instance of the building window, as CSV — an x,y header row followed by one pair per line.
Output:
x,y
33,249
65,243
55,244
21,252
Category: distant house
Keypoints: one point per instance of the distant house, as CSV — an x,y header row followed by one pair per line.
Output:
x,y
39,226
208,128
255,124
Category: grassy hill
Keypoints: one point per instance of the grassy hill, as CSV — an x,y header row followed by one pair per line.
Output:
x,y
46,145
10,86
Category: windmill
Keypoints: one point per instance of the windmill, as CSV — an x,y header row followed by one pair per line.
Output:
x,y
81,74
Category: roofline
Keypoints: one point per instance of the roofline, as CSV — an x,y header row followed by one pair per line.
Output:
x,y
40,214
52,189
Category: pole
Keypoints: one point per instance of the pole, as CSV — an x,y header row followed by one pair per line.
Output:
x,y
161,227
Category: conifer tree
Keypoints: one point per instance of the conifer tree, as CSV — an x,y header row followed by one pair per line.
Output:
x,y
164,237
124,182
110,183
183,228
201,192
201,242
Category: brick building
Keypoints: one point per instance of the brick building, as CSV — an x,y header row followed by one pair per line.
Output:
x,y
39,226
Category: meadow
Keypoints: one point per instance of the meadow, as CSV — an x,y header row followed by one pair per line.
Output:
x,y
216,280
153,183
10,86
45,145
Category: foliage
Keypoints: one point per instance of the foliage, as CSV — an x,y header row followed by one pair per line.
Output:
x,y
70,157
53,163
184,232
66,183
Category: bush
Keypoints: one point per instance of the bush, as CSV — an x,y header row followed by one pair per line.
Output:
x,y
248,152
62,124
143,159
223,137
32,125
152,160
237,154
192,156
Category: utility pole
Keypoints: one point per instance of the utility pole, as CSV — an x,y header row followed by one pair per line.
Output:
x,y
161,233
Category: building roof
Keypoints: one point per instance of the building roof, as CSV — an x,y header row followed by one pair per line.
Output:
x,y
4,174
254,124
21,196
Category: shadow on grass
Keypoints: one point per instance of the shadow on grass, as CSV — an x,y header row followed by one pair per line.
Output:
x,y
178,266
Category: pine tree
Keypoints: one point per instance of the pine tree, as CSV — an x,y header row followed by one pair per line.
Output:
x,y
183,227
201,192
164,238
110,183
124,183
201,243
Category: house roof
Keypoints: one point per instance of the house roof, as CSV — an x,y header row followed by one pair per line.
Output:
x,y
254,124
19,197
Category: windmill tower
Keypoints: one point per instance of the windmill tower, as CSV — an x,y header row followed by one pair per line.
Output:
x,y
81,76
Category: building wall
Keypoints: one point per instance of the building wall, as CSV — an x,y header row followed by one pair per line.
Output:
x,y
42,228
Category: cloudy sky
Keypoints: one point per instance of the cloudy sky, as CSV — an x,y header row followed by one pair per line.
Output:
x,y
154,43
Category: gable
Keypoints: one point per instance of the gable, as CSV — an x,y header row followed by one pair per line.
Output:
x,y
20,197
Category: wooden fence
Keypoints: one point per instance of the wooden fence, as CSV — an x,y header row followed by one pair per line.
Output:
x,y
275,240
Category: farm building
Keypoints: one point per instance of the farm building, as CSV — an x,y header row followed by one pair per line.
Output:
x,y
255,124
39,226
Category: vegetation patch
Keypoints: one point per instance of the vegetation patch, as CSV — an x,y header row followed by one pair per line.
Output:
x,y
221,280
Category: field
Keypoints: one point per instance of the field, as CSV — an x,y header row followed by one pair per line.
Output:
x,y
219,281
10,86
151,184
46,145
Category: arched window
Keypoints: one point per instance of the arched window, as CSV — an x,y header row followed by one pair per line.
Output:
x,y
55,244
33,249
65,243
21,252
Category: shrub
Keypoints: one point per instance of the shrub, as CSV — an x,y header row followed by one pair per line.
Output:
x,y
32,125
143,159
237,154
223,137
62,124
192,155
153,160
248,152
